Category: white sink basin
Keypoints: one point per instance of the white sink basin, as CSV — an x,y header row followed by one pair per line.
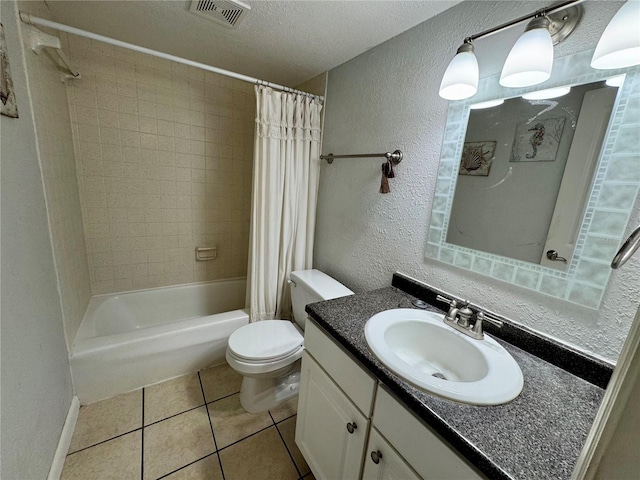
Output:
x,y
417,346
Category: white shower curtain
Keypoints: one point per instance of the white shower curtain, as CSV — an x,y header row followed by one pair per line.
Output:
x,y
286,170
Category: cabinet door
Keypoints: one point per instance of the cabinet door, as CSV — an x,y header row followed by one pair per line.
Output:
x,y
330,431
382,462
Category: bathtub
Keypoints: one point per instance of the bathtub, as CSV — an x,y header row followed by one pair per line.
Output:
x,y
134,339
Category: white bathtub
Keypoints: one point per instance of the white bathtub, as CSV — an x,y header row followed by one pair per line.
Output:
x,y
134,339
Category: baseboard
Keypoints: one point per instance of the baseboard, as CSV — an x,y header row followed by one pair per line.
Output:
x,y
65,440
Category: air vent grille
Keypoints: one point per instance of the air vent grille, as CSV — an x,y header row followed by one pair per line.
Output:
x,y
226,12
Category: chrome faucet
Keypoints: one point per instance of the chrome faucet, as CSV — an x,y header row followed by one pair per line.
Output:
x,y
459,318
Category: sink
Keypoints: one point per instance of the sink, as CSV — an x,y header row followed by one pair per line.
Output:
x,y
418,347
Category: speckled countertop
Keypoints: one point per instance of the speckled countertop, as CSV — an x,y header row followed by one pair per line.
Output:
x,y
539,435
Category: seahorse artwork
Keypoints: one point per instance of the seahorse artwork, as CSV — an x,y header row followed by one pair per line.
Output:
x,y
536,139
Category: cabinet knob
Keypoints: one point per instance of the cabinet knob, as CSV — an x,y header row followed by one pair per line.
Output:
x,y
376,456
351,427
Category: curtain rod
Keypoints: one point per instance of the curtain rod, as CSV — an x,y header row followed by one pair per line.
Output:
x,y
31,20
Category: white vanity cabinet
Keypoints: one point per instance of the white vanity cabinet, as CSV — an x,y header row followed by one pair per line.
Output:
x,y
383,462
337,419
334,408
421,448
330,431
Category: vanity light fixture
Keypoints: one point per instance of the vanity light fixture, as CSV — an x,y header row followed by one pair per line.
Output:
x,y
531,58
460,80
487,104
619,45
547,93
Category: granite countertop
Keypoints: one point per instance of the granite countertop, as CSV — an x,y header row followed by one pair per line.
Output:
x,y
538,435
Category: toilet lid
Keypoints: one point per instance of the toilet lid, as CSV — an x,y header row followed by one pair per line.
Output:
x,y
265,340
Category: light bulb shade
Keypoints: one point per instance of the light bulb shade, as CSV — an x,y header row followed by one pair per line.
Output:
x,y
487,104
547,93
616,81
619,45
531,59
460,80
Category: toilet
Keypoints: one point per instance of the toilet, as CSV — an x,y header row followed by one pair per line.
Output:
x,y
267,353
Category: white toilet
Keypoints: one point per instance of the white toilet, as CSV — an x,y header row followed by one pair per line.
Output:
x,y
267,353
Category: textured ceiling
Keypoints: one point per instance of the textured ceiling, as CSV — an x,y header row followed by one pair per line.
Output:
x,y
287,42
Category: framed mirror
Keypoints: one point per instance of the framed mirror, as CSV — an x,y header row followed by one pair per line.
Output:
x,y
531,176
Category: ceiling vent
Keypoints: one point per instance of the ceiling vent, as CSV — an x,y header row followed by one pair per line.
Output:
x,y
229,13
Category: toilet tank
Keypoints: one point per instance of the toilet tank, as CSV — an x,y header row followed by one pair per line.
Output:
x,y
310,286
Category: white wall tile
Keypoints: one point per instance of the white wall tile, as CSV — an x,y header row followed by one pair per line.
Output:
x,y
148,193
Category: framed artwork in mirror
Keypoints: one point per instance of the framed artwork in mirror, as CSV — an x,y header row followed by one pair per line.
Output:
x,y
8,105
537,140
476,158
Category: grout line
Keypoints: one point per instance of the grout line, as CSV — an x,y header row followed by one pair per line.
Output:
x,y
187,465
104,441
142,436
222,398
284,419
215,443
175,414
286,447
244,438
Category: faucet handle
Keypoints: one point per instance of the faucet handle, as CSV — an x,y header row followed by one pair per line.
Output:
x,y
445,299
477,327
491,319
453,310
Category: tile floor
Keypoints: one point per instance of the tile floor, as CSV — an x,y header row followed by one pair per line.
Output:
x,y
188,428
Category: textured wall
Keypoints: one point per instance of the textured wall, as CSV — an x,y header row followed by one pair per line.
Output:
x,y
316,85
58,164
388,98
164,157
36,380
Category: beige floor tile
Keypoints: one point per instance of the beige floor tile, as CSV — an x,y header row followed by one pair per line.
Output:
x,y
172,397
288,431
106,419
176,442
232,423
115,459
206,469
262,456
220,381
285,410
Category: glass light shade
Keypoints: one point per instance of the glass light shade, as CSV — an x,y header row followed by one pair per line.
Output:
x,y
460,80
487,104
616,81
619,45
547,93
530,60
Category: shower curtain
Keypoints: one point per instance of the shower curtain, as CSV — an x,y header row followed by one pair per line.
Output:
x,y
285,188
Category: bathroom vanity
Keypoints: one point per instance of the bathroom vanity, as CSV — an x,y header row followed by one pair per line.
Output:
x,y
356,419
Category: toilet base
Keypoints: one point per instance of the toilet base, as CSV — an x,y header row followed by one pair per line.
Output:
x,y
259,394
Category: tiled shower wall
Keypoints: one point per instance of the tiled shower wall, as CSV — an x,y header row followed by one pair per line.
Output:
x,y
58,166
164,154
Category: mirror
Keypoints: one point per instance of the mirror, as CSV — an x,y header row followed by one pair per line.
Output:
x,y
522,160
548,198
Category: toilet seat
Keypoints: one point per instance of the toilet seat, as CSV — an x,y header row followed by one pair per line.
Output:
x,y
264,346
